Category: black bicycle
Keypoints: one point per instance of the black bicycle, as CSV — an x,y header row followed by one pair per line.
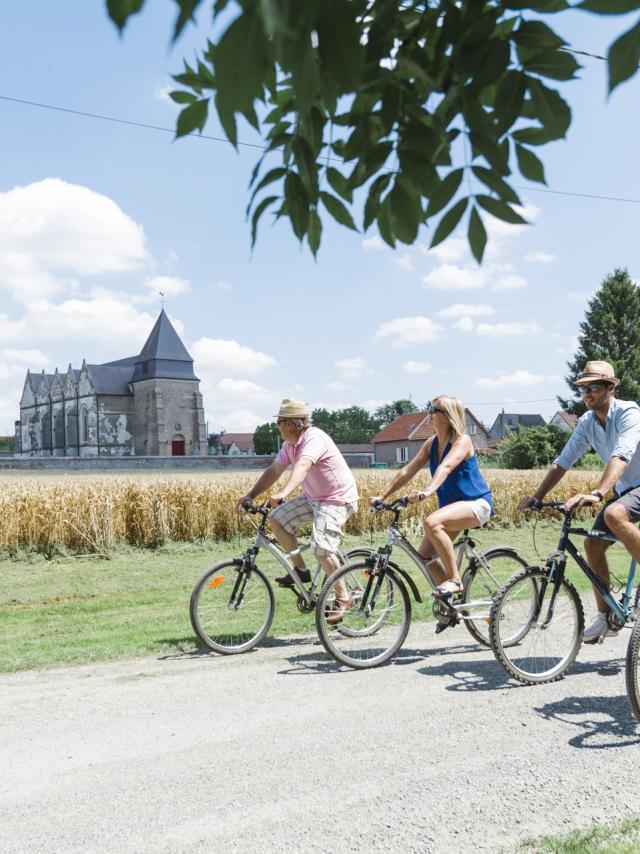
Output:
x,y
552,625
377,620
232,604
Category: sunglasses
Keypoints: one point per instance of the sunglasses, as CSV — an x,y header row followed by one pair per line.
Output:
x,y
282,421
593,387
431,410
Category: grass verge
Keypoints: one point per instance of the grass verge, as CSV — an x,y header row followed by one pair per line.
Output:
x,y
620,838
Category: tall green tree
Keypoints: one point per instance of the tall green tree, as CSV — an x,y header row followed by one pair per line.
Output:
x,y
531,447
610,332
421,109
350,425
266,438
388,411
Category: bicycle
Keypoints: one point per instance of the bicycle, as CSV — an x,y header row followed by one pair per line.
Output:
x,y
552,629
232,604
376,625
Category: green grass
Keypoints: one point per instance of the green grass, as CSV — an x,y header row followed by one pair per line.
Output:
x,y
79,610
620,838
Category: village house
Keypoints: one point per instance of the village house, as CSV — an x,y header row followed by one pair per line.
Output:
x,y
400,440
506,422
145,405
565,421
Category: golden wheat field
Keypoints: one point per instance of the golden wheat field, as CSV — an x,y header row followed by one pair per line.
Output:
x,y
95,512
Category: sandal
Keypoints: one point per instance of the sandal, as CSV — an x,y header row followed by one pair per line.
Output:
x,y
441,625
450,587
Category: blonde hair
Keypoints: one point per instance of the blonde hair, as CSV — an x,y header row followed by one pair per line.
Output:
x,y
454,410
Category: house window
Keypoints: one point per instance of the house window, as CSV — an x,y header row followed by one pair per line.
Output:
x,y
473,429
402,455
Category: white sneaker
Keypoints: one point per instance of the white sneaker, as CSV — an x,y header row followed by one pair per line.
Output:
x,y
598,628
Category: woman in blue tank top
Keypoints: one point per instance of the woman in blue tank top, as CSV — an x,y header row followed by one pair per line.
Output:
x,y
464,498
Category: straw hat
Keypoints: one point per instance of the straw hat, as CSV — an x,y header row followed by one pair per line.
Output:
x,y
290,408
594,372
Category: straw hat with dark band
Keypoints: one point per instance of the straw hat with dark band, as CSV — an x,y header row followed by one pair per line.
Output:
x,y
292,409
598,372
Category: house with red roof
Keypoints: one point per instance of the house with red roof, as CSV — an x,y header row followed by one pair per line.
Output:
x,y
565,420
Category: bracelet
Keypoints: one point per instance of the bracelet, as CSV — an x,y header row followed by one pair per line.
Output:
x,y
597,494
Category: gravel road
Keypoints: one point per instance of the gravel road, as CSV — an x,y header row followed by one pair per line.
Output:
x,y
279,750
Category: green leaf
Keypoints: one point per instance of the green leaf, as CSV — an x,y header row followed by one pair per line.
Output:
x,y
338,182
545,6
182,97
530,165
337,210
192,117
187,10
496,183
297,202
372,205
509,99
609,7
444,192
314,231
306,163
341,54
532,136
477,235
449,222
557,64
264,204
534,34
227,119
491,151
405,211
552,110
269,178
500,209
384,223
121,10
243,59
624,57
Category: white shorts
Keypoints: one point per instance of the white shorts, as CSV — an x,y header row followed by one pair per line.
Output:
x,y
481,510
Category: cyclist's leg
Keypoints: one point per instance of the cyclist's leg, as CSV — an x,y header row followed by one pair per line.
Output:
x,y
595,551
285,520
442,527
326,536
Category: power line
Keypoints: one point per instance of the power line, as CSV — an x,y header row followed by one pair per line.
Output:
x,y
147,126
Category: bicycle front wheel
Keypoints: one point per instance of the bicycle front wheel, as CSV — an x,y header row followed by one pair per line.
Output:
x,y
231,609
549,628
481,581
633,670
367,635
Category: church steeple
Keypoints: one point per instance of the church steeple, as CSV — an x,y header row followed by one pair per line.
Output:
x,y
164,354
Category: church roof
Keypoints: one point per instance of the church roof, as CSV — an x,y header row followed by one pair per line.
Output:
x,y
164,343
108,379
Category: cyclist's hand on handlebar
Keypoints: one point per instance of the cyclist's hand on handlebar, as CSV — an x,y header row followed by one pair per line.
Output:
x,y
526,503
417,495
241,502
276,499
374,499
577,502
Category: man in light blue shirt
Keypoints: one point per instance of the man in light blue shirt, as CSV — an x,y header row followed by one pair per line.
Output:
x,y
612,428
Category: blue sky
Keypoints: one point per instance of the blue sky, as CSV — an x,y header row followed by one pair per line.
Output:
x,y
97,217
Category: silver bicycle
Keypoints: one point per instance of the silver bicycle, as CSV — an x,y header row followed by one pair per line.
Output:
x,y
232,605
376,620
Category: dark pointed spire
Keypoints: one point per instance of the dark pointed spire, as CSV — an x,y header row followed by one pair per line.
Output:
x,y
164,354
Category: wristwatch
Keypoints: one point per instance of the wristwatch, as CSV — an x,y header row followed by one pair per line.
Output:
x,y
597,494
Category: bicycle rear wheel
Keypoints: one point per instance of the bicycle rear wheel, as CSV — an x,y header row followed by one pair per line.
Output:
x,y
365,637
632,670
548,640
231,609
481,581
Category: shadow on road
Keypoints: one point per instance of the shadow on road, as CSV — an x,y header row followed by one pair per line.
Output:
x,y
470,674
604,722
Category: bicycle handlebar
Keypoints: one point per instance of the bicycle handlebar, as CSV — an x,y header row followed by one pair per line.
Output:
x,y
550,505
393,507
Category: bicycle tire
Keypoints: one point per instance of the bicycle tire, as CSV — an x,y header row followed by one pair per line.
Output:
x,y
225,629
530,660
351,642
482,583
632,676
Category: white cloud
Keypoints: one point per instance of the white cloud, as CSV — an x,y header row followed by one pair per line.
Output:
x,y
453,249
242,388
405,263
509,283
240,421
537,257
353,367
461,309
449,277
337,387
578,296
374,243
464,324
410,330
161,93
417,367
217,355
52,231
515,378
508,328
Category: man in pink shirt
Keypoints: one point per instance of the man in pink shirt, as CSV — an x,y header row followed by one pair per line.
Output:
x,y
330,494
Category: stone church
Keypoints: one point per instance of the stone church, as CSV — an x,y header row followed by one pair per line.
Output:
x,y
146,405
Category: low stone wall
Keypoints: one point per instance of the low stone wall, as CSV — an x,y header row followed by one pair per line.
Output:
x,y
209,463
